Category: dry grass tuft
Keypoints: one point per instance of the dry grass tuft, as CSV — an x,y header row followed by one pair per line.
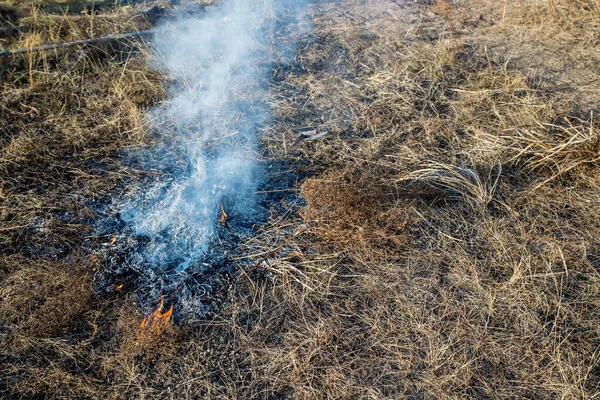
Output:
x,y
558,149
463,182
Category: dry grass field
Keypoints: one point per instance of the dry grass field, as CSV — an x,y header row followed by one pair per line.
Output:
x,y
445,241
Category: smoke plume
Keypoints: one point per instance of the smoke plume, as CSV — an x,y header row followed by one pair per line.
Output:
x,y
212,59
175,236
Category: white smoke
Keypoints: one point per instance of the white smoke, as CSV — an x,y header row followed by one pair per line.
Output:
x,y
213,59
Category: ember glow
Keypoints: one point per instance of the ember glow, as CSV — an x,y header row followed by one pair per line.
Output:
x,y
223,218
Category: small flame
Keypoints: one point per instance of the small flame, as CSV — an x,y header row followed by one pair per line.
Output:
x,y
113,240
156,321
223,215
119,287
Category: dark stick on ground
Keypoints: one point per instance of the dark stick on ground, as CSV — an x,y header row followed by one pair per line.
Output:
x,y
77,43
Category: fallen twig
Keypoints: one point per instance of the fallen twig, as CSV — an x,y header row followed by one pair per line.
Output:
x,y
77,43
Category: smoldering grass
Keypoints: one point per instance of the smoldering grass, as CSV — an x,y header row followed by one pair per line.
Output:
x,y
215,110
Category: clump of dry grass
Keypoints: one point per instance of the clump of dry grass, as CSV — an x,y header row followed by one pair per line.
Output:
x,y
558,149
466,183
568,13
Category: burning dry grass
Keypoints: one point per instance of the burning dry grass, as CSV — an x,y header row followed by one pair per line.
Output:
x,y
156,322
447,244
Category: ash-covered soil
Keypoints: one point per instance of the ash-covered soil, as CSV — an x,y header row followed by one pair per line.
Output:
x,y
200,290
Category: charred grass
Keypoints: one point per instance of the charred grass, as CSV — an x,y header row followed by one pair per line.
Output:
x,y
445,244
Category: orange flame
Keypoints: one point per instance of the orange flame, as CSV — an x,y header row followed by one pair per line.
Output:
x,y
157,320
119,287
223,215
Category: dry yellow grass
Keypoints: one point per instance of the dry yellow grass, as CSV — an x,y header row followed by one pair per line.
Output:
x,y
446,243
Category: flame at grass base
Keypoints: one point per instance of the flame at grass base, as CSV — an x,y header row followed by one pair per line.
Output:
x,y
156,322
